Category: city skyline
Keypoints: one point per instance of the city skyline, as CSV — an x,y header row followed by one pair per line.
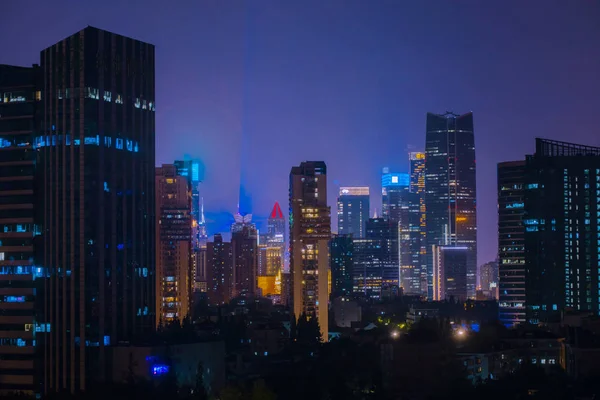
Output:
x,y
232,85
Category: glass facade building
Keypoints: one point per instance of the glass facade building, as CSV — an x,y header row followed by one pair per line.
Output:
x,y
450,273
341,255
20,276
417,185
450,189
562,230
353,210
511,243
95,169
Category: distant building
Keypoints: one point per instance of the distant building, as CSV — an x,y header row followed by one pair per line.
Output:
x,y
511,243
375,259
190,170
341,253
244,244
310,231
174,254
488,278
417,185
450,273
562,202
346,312
219,271
450,189
353,210
20,283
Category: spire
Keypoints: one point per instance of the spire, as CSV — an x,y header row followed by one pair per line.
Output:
x,y
202,220
375,214
276,213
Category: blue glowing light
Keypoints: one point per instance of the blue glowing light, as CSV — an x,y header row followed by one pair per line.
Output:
x,y
393,179
160,369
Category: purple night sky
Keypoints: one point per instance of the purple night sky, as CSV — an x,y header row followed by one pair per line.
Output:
x,y
263,85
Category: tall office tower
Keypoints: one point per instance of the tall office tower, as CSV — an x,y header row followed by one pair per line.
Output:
x,y
219,271
450,189
96,168
175,275
275,241
261,258
200,266
341,251
19,103
488,279
310,231
353,211
393,186
511,243
402,208
417,185
276,224
562,202
244,244
375,259
202,231
190,170
450,272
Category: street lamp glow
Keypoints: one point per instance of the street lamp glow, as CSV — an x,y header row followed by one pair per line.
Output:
x,y
395,334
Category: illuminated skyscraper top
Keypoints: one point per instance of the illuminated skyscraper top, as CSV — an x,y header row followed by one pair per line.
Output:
x,y
353,210
450,189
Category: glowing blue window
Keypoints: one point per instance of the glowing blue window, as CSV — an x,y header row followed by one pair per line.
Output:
x,y
120,246
531,229
554,307
119,144
129,145
515,205
14,299
107,340
532,186
106,189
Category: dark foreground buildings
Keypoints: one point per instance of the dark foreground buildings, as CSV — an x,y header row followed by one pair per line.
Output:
x,y
562,230
95,168
19,274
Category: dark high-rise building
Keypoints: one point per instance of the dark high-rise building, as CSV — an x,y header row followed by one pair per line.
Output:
x,y
95,165
417,185
341,252
511,243
219,271
393,186
450,189
19,276
450,272
375,259
353,211
488,280
244,244
310,231
562,224
175,275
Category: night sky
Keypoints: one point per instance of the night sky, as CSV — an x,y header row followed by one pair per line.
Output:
x,y
259,86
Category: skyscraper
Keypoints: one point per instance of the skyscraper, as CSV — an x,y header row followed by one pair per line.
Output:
x,y
244,244
219,271
450,189
19,276
417,185
353,210
174,273
488,279
310,231
562,223
96,174
403,209
450,272
511,243
341,252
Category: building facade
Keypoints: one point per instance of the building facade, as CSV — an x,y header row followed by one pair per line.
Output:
x,y
219,271
310,231
488,279
95,160
450,189
341,254
353,210
20,276
244,245
450,273
562,224
511,243
417,185
175,275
